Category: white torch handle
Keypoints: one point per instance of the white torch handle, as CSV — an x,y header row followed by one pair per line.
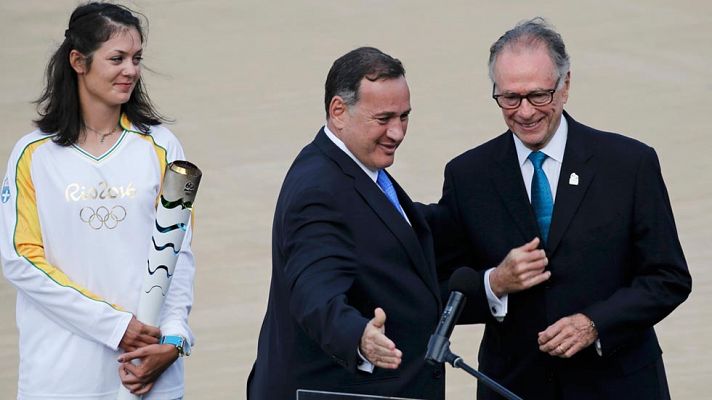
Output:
x,y
173,211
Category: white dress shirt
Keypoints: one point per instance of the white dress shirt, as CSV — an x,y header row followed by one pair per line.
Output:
x,y
552,168
373,174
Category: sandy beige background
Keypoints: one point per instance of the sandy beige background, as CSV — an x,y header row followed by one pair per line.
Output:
x,y
244,81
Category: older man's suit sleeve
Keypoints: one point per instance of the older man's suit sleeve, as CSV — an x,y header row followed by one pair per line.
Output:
x,y
660,279
453,250
319,270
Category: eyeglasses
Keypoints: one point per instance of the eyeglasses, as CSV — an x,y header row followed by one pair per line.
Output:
x,y
510,101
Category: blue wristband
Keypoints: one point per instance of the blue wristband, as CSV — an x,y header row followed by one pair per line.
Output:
x,y
179,342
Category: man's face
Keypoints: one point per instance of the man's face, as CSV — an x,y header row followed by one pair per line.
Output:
x,y
373,128
521,70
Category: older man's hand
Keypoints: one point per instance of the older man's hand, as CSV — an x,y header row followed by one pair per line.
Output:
x,y
522,268
376,346
568,336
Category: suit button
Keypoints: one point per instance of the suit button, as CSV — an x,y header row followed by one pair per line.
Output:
x,y
438,374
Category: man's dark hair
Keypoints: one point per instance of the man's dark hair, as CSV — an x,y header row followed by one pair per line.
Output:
x,y
345,75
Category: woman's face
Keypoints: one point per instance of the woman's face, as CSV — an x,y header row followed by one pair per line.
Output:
x,y
113,72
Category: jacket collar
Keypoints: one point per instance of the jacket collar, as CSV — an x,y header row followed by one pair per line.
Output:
x,y
415,239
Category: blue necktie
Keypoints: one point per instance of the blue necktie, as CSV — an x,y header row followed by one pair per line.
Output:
x,y
387,186
542,201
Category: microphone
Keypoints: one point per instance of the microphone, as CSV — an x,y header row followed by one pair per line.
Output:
x,y
439,343
468,281
463,280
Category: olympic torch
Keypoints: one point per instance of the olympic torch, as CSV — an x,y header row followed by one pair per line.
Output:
x,y
173,211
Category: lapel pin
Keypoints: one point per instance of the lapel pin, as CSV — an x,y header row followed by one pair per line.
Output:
x,y
573,179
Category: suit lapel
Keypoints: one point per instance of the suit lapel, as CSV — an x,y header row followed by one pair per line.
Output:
x,y
424,251
507,180
577,160
392,219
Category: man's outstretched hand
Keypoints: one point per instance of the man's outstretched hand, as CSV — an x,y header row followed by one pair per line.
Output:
x,y
376,347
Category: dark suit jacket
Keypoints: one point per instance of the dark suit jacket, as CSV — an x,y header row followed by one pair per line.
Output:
x,y
613,253
339,250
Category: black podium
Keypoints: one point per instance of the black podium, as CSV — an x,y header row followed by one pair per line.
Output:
x,y
303,394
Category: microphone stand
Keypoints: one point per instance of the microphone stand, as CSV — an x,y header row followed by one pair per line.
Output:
x,y
445,355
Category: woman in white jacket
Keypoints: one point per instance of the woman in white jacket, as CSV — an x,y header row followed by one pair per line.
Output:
x,y
77,208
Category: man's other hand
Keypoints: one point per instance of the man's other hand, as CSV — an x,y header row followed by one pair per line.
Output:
x,y
568,336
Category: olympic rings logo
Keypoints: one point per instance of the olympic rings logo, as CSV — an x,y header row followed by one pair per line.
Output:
x,y
102,216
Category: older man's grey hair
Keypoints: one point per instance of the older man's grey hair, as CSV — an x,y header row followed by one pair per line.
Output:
x,y
532,33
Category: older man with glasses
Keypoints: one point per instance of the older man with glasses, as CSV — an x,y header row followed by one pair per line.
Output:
x,y
572,231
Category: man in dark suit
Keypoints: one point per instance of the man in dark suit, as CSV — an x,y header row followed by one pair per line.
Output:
x,y
582,221
349,249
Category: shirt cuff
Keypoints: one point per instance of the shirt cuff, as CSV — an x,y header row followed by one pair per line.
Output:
x,y
497,305
363,364
175,328
120,331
